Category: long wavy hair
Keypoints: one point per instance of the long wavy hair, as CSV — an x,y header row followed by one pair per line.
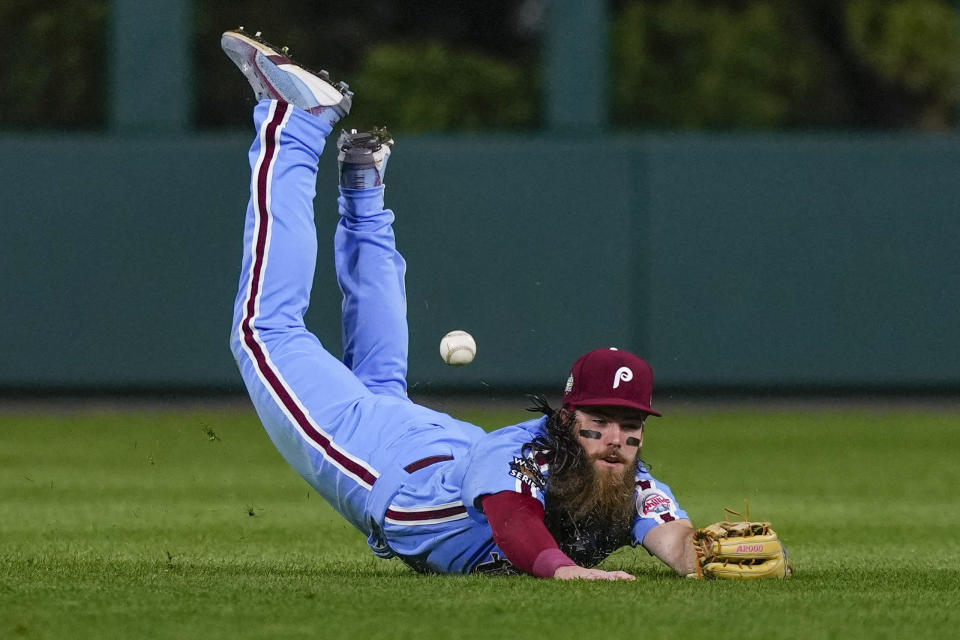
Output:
x,y
559,446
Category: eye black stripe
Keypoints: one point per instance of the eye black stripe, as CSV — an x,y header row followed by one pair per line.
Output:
x,y
592,435
633,442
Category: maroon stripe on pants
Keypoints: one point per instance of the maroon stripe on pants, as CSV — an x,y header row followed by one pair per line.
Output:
x,y
405,516
265,218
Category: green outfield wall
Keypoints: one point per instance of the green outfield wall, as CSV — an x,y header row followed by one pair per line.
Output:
x,y
789,261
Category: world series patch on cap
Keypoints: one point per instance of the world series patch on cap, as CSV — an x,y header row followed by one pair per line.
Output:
x,y
610,377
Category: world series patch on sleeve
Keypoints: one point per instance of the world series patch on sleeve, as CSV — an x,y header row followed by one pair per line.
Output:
x,y
740,550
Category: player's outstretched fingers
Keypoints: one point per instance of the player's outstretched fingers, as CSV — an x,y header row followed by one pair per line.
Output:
x,y
582,573
621,575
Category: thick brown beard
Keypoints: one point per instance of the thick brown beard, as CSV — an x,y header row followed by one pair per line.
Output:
x,y
583,491
589,515
590,512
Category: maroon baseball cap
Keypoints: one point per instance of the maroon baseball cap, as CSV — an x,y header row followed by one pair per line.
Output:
x,y
610,377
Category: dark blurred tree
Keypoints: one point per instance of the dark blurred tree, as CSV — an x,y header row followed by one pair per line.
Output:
x,y
52,64
777,63
902,61
683,63
349,39
428,86
431,64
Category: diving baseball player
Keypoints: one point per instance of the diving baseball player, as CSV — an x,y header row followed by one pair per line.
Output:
x,y
551,497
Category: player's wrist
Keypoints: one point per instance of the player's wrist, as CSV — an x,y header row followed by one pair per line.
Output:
x,y
548,561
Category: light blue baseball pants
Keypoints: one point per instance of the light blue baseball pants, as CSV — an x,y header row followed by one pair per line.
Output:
x,y
346,426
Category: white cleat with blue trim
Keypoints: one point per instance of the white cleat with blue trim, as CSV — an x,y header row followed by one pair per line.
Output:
x,y
275,76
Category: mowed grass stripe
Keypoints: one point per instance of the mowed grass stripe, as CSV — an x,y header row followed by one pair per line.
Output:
x,y
188,524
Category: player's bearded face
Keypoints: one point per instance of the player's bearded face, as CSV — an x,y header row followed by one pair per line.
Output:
x,y
598,484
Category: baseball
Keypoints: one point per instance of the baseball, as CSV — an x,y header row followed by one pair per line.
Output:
x,y
458,348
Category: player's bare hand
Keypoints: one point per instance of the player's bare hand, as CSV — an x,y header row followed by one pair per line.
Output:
x,y
582,573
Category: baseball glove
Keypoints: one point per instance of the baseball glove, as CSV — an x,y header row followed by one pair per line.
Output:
x,y
740,550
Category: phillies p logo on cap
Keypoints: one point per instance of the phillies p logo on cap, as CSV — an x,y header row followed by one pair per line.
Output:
x,y
610,377
624,374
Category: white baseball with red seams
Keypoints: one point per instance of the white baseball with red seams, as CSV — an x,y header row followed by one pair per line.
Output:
x,y
458,348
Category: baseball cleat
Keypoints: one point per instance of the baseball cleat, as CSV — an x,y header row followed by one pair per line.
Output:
x,y
363,157
274,76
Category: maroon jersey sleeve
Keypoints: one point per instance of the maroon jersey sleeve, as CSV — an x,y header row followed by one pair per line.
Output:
x,y
520,532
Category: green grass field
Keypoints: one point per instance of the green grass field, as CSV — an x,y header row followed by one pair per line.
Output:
x,y
187,524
